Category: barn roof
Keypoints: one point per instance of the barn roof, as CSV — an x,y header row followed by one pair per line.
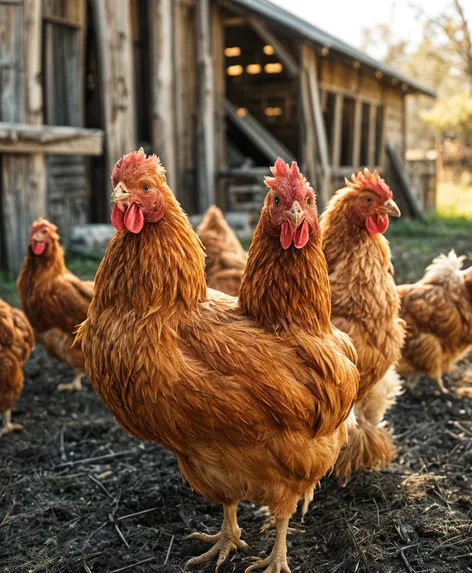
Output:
x,y
301,29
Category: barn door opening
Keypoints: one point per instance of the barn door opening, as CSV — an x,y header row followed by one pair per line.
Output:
x,y
68,188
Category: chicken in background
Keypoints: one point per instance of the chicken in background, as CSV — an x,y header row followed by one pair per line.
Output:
x,y
225,257
16,345
438,314
54,300
249,412
365,305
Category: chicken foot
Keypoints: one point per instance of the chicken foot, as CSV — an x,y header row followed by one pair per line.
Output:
x,y
8,426
440,384
76,383
226,542
277,561
270,521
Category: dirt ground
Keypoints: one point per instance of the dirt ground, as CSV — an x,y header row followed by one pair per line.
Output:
x,y
77,494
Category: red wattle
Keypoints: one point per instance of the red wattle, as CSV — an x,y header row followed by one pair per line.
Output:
x,y
118,219
286,235
379,224
301,235
38,247
134,218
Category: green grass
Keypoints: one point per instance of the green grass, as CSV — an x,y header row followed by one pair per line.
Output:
x,y
454,201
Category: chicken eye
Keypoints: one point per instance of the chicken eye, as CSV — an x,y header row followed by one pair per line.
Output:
x,y
308,201
277,201
146,188
369,199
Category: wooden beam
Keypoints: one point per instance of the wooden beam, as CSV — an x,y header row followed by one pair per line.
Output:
x,y
307,123
371,148
267,144
356,150
322,138
337,129
218,44
205,110
33,40
161,23
401,172
25,138
269,37
114,45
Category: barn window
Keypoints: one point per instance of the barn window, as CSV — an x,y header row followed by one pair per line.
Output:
x,y
365,130
379,116
347,123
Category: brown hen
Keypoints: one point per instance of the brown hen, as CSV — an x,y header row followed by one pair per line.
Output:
x,y
365,306
438,315
249,413
16,344
225,257
54,300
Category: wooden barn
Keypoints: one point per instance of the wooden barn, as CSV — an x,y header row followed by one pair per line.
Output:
x,y
217,88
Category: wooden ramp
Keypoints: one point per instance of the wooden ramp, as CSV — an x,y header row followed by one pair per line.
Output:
x,y
408,201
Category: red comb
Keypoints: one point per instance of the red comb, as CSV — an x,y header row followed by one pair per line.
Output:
x,y
135,162
291,174
371,182
41,224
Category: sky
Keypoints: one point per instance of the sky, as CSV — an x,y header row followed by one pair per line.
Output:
x,y
345,19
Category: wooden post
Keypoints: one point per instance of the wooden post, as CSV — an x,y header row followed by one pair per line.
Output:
x,y
218,46
337,129
307,122
163,85
320,128
371,148
205,113
113,25
356,151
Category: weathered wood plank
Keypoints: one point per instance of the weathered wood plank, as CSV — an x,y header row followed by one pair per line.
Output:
x,y
307,123
205,113
372,117
321,136
337,129
269,145
24,199
25,138
356,152
113,26
164,112
218,44
33,39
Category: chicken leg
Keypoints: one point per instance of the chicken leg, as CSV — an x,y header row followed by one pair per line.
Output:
x,y
277,561
226,542
7,424
440,383
76,383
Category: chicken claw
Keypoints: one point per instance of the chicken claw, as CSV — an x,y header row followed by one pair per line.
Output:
x,y
226,542
8,426
76,384
277,561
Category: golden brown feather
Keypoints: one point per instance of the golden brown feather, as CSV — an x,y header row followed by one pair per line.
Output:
x,y
16,345
438,314
225,257
250,414
365,305
54,300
